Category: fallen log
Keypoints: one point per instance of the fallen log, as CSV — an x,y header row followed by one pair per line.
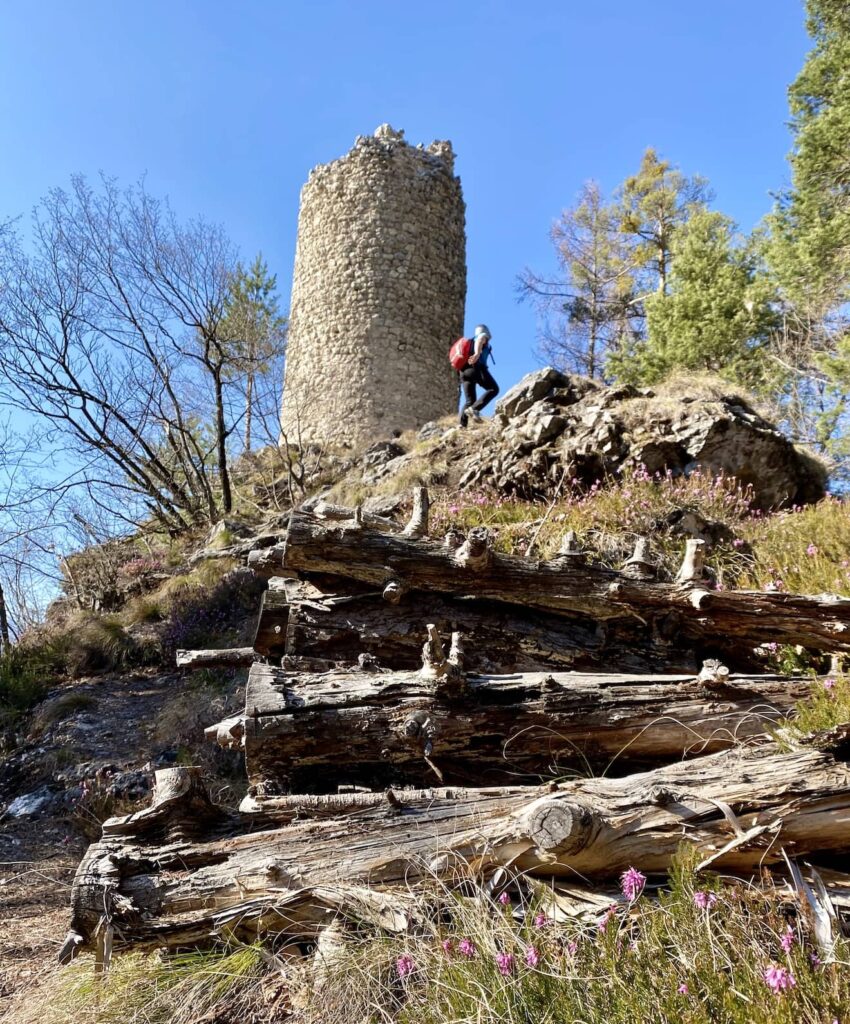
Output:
x,y
154,879
466,566
311,732
320,619
226,657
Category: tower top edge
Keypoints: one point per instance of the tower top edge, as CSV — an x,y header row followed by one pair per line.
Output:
x,y
438,154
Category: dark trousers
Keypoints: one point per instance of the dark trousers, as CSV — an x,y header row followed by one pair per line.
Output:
x,y
478,374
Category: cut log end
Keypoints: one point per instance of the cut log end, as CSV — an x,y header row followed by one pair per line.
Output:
x,y
556,825
693,563
418,524
474,553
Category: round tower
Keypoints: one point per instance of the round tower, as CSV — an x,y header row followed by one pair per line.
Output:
x,y
378,293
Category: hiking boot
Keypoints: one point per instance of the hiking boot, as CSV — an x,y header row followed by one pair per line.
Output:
x,y
462,418
475,416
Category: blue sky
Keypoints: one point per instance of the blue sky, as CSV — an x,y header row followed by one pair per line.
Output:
x,y
225,107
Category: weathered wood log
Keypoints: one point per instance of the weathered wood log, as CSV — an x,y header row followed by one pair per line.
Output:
x,y
310,733
566,584
340,620
160,884
226,657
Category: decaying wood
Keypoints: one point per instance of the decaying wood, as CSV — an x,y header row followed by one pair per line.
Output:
x,y
564,584
227,657
162,882
338,620
313,732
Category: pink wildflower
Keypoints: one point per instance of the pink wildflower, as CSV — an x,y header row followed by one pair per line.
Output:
x,y
682,989
448,946
540,920
405,965
787,940
454,509
829,683
632,883
504,899
815,959
505,963
532,957
572,948
737,543
778,979
466,947
812,550
704,900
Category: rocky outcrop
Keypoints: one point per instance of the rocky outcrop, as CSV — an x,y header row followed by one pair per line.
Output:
x,y
553,428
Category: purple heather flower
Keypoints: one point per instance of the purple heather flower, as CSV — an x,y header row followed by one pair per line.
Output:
x,y
812,550
682,989
466,947
572,948
540,920
447,945
815,959
778,979
704,900
505,963
504,899
532,957
737,543
632,883
405,965
787,940
829,683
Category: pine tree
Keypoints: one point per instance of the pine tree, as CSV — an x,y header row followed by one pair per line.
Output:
x,y
255,328
811,224
716,313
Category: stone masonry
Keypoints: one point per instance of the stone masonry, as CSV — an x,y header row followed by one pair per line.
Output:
x,y
378,293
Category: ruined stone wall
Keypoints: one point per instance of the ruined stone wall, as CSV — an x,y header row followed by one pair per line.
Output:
x,y
378,293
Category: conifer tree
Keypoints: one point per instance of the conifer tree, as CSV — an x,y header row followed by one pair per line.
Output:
x,y
716,313
254,327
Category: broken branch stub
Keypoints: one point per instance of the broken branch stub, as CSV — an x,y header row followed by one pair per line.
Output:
x,y
694,561
474,552
640,566
418,524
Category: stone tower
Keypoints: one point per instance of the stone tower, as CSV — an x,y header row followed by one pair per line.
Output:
x,y
378,293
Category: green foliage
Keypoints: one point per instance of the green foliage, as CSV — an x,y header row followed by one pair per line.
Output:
x,y
652,204
254,330
222,984
716,314
698,953
828,705
24,681
812,221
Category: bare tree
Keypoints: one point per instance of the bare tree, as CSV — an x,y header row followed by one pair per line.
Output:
x,y
588,305
112,332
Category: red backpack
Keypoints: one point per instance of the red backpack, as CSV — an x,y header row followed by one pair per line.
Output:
x,y
460,352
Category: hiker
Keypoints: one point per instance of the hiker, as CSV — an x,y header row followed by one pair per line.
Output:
x,y
476,373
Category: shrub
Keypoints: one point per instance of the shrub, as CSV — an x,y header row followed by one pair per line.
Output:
x,y
24,681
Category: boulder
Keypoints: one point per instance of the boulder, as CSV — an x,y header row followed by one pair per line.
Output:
x,y
552,425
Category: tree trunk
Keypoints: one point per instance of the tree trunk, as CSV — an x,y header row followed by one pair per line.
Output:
x,y
249,397
331,619
221,444
310,733
564,584
183,870
5,642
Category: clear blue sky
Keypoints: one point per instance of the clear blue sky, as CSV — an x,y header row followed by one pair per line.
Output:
x,y
225,107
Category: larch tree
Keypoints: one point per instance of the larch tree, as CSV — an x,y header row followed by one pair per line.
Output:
x,y
651,205
588,304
